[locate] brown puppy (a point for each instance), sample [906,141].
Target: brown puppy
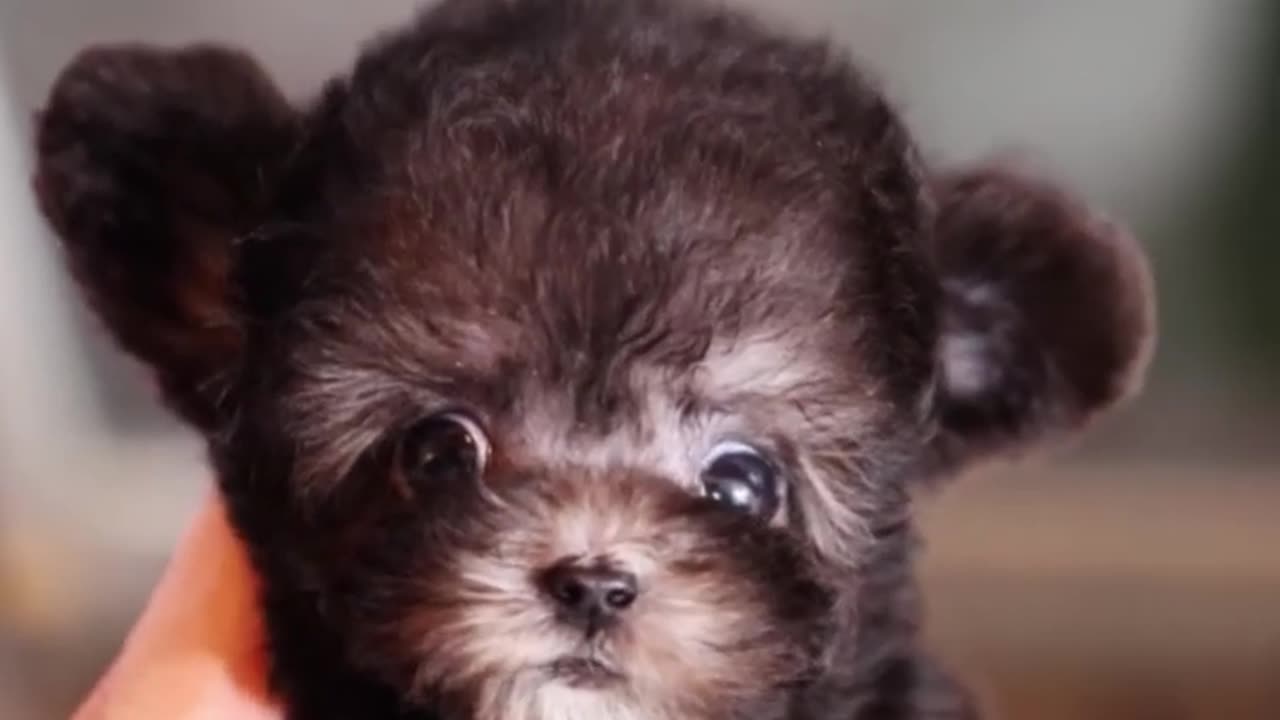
[577,359]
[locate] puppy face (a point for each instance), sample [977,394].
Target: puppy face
[574,359]
[576,447]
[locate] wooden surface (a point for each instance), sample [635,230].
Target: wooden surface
[1111,593]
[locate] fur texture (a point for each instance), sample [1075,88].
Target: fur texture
[615,236]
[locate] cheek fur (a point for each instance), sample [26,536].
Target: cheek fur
[705,641]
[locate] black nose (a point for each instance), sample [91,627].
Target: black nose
[589,594]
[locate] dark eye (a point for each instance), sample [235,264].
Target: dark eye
[738,477]
[447,445]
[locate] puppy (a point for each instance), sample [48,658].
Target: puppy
[578,360]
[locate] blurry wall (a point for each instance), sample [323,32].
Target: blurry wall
[1097,588]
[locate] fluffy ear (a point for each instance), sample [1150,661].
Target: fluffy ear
[150,163]
[1048,313]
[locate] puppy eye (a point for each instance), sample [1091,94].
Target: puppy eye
[444,445]
[739,477]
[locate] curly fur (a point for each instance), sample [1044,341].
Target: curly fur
[615,233]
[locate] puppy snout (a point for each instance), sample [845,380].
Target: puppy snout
[589,595]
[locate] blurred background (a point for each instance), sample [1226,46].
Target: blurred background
[1132,576]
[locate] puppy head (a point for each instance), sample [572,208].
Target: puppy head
[575,371]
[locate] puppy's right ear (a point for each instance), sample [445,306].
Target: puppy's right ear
[1048,317]
[150,164]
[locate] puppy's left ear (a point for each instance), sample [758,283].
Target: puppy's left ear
[151,162]
[1048,314]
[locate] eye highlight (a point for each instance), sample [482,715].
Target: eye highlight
[441,447]
[739,477]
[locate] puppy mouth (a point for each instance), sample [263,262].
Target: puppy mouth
[583,672]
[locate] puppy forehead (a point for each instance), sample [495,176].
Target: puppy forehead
[665,418]
[658,385]
[698,296]
[575,326]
